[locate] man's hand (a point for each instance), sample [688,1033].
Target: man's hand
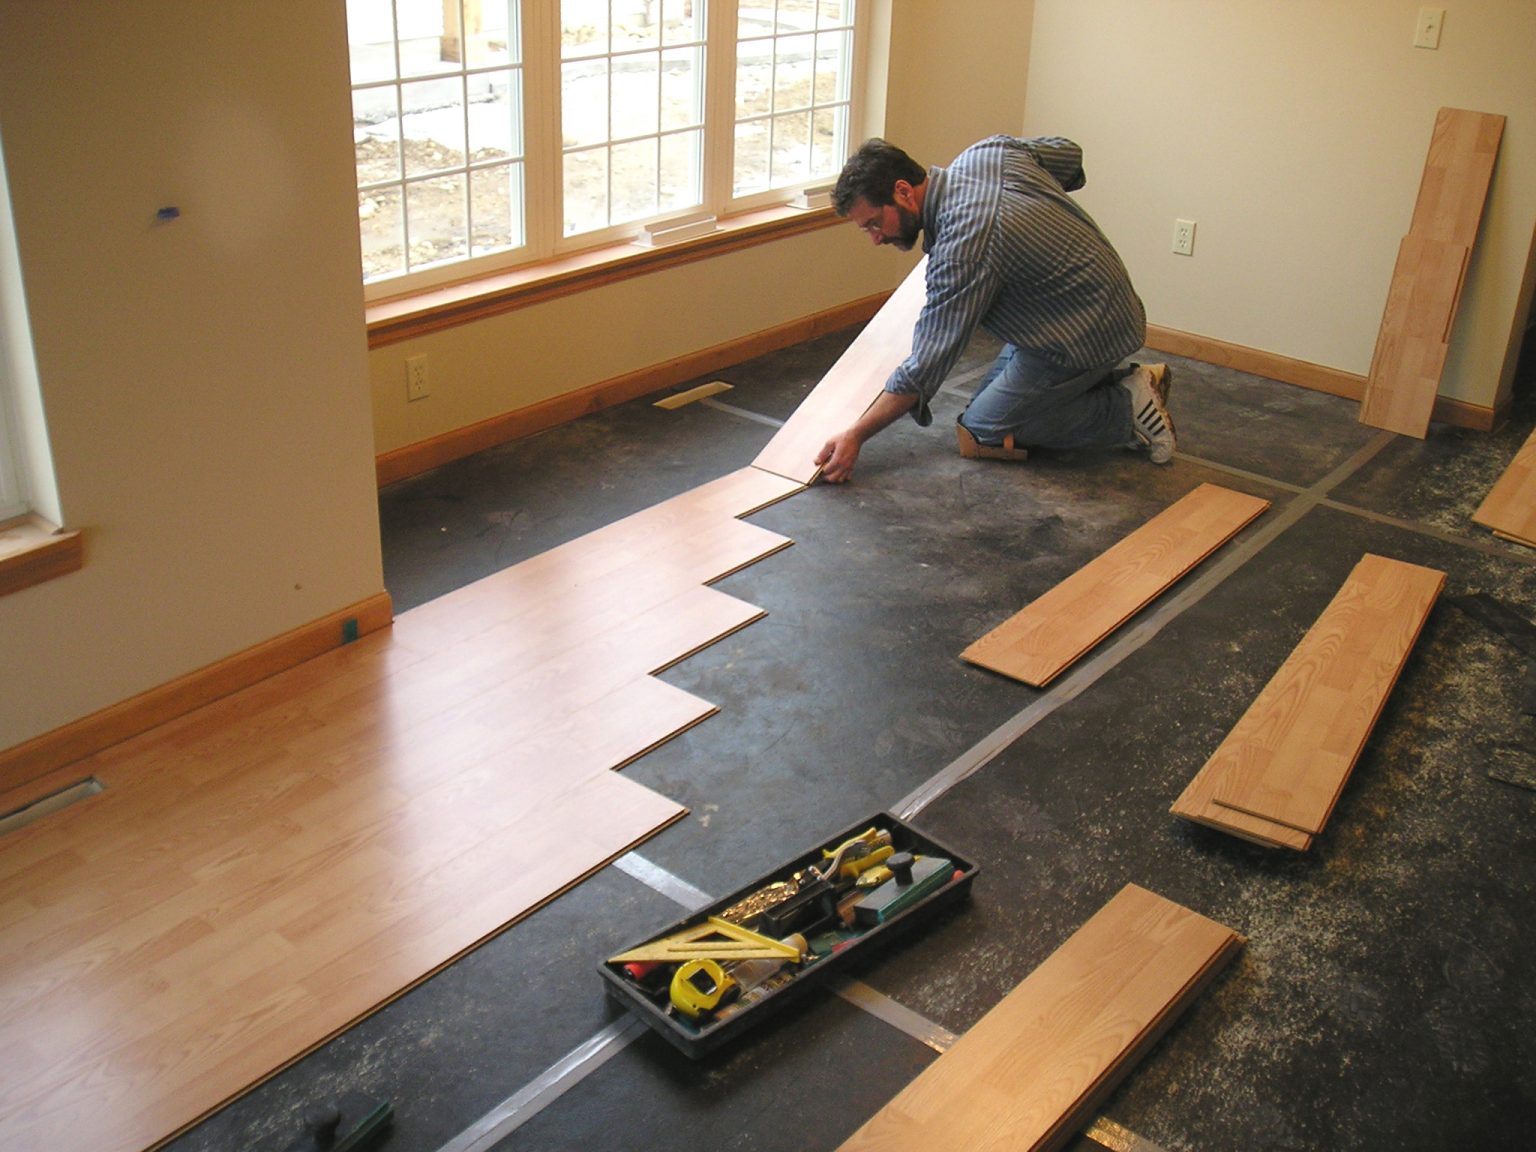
[838,456]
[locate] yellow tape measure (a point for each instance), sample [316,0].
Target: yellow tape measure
[700,986]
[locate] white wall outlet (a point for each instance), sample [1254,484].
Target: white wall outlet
[1184,237]
[416,387]
[1426,33]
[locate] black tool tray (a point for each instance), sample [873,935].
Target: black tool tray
[696,1038]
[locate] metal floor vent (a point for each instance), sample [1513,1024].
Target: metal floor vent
[48,805]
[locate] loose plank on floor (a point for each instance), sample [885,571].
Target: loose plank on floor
[1288,757]
[850,386]
[1039,642]
[1033,1070]
[1509,509]
[1278,774]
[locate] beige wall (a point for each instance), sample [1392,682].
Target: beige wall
[1295,135]
[512,361]
[204,380]
[959,73]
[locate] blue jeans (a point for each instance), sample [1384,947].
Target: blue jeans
[1045,406]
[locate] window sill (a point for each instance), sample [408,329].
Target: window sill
[434,309]
[33,550]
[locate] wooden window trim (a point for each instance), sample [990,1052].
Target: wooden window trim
[405,317]
[33,550]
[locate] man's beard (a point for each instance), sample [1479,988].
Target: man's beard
[910,224]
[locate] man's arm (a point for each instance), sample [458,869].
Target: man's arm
[837,458]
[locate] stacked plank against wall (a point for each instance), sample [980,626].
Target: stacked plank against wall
[1431,268]
[261,873]
[1034,1069]
[1276,777]
[1509,509]
[1039,642]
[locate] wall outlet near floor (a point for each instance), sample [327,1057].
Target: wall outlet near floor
[416,387]
[1184,237]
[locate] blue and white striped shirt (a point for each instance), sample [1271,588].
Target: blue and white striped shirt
[1011,252]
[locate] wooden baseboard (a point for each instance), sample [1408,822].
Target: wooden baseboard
[413,459]
[36,767]
[1304,374]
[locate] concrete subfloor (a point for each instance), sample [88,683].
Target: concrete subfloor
[1386,998]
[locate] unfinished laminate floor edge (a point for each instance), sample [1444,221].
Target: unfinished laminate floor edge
[1509,508]
[1288,757]
[1032,1070]
[1427,280]
[375,761]
[1039,642]
[850,386]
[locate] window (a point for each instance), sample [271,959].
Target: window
[496,132]
[14,341]
[437,127]
[794,89]
[11,502]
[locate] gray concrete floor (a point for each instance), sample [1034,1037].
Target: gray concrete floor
[1385,999]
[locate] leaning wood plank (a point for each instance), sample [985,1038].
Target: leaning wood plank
[1037,643]
[1509,509]
[1288,757]
[1415,335]
[1033,1070]
[850,386]
[1431,269]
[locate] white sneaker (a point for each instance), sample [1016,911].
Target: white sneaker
[1148,385]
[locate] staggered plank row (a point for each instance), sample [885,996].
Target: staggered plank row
[263,872]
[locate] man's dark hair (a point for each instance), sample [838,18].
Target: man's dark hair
[871,174]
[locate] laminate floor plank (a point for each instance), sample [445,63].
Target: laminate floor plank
[1288,757]
[1030,1073]
[1509,509]
[1427,280]
[1197,803]
[1415,335]
[1038,643]
[850,386]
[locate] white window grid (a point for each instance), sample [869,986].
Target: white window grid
[803,131]
[465,120]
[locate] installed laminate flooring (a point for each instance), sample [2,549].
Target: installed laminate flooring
[264,872]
